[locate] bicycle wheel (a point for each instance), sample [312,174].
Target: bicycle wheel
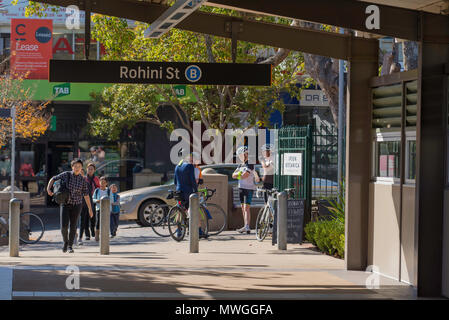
[31,228]
[177,223]
[159,222]
[219,220]
[262,224]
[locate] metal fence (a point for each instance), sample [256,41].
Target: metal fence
[324,160]
[318,144]
[293,139]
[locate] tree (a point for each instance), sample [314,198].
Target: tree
[32,119]
[217,107]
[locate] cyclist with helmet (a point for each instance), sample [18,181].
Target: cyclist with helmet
[247,176]
[268,168]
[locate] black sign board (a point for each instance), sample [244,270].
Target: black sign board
[244,74]
[5,113]
[295,222]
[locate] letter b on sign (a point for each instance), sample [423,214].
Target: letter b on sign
[193,73]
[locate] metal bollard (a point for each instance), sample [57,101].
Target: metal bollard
[194,222]
[105,221]
[14,227]
[282,221]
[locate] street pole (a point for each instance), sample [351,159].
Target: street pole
[105,218]
[341,119]
[13,150]
[282,221]
[194,222]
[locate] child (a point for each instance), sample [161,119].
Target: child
[115,211]
[98,194]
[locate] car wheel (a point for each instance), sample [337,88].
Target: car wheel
[147,208]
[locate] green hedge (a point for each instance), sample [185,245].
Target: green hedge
[328,236]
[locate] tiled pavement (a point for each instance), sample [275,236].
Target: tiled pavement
[144,266]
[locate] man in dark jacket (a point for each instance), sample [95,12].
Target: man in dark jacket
[185,179]
[78,190]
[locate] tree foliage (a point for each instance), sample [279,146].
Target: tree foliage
[32,120]
[216,107]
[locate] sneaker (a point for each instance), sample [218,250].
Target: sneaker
[87,238]
[242,230]
[112,236]
[80,242]
[71,250]
[64,248]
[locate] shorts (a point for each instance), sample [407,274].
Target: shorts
[246,196]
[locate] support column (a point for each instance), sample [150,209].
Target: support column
[363,65]
[431,144]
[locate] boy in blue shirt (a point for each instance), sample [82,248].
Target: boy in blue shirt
[115,210]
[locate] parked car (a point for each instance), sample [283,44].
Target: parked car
[138,204]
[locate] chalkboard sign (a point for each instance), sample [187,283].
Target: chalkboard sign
[295,221]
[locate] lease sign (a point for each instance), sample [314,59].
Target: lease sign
[31,47]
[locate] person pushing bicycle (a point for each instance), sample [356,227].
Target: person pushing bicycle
[185,182]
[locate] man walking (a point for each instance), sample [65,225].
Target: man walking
[78,189]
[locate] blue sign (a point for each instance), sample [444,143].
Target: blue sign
[5,113]
[43,35]
[193,73]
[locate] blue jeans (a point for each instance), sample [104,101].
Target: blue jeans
[115,218]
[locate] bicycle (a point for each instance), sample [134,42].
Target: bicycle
[178,220]
[159,216]
[265,217]
[30,224]
[219,217]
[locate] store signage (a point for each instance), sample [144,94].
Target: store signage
[61,90]
[295,222]
[292,164]
[160,72]
[180,91]
[31,47]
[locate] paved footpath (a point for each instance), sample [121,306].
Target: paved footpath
[142,265]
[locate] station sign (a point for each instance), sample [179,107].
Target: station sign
[244,74]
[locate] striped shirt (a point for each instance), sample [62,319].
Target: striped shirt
[78,187]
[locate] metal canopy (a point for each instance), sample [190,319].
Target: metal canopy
[394,21]
[281,36]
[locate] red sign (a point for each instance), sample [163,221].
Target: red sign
[31,47]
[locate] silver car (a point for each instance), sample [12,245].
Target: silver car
[138,204]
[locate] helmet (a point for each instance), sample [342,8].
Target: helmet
[242,150]
[267,147]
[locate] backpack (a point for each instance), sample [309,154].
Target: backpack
[61,191]
[96,194]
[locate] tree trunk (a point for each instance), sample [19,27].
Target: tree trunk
[410,53]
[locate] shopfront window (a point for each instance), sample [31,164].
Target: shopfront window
[388,159]
[5,168]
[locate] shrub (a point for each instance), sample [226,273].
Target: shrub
[327,235]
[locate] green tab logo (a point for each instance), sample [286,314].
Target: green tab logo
[180,91]
[61,90]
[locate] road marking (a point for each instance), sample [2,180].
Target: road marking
[6,277]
